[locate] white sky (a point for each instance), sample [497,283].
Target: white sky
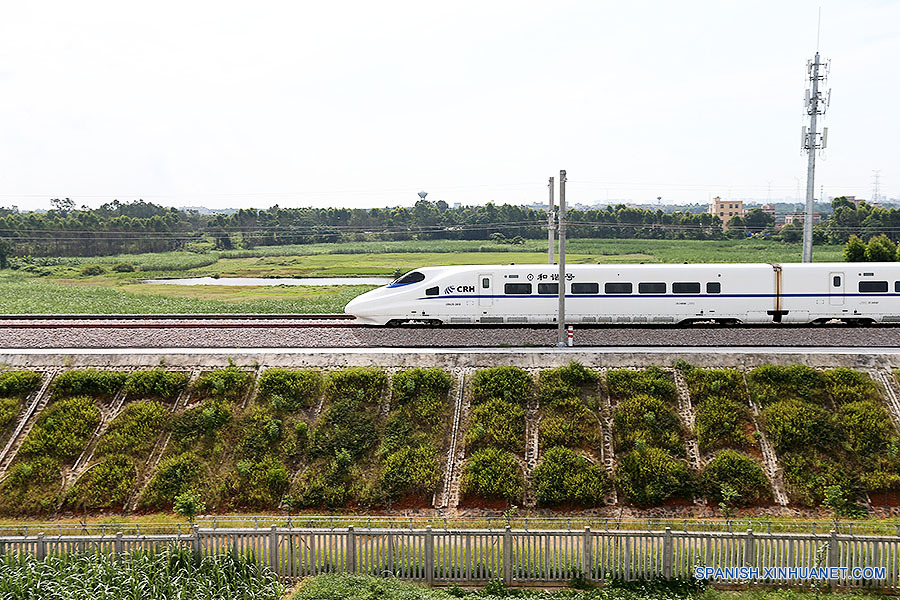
[239,104]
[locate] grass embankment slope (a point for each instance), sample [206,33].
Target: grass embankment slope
[59,285]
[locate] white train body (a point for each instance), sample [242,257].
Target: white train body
[638,294]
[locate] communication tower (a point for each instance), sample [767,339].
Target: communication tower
[816,104]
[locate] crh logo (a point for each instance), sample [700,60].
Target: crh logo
[449,289]
[459,289]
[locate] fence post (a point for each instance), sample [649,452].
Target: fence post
[429,555]
[273,549]
[750,551]
[351,550]
[507,556]
[587,551]
[196,546]
[831,559]
[119,545]
[667,553]
[41,549]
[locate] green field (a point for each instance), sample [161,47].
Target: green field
[49,285]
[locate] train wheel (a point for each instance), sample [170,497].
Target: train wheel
[393,323]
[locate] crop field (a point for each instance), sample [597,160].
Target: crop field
[169,574]
[562,439]
[113,284]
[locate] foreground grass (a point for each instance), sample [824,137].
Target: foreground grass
[27,295]
[57,285]
[165,575]
[361,587]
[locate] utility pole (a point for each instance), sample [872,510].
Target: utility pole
[816,104]
[561,325]
[551,222]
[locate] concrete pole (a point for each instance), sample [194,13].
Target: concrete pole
[551,223]
[561,325]
[811,143]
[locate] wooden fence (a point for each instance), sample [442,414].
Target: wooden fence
[520,557]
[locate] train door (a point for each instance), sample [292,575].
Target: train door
[836,289]
[485,290]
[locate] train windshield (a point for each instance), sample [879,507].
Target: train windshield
[412,277]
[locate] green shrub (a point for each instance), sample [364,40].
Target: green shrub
[510,384]
[155,383]
[9,410]
[290,390]
[742,473]
[88,382]
[649,476]
[846,385]
[497,423]
[92,270]
[332,483]
[569,423]
[492,473]
[882,473]
[721,422]
[649,419]
[262,433]
[567,382]
[346,424]
[134,431]
[421,394]
[867,427]
[624,383]
[720,383]
[414,384]
[191,426]
[400,431]
[123,268]
[31,487]
[230,383]
[797,424]
[105,485]
[771,383]
[63,429]
[411,470]
[358,383]
[808,472]
[564,477]
[257,484]
[175,475]
[18,383]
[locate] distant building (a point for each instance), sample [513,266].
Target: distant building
[726,209]
[769,209]
[798,219]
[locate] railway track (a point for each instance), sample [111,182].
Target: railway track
[174,321]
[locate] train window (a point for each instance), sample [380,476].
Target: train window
[836,282]
[686,287]
[517,288]
[548,288]
[713,287]
[485,282]
[873,286]
[651,288]
[585,288]
[432,291]
[897,286]
[617,288]
[414,277]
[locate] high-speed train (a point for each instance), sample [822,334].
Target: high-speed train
[638,294]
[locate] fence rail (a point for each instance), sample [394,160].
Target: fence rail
[519,557]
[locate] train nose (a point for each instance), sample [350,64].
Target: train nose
[361,308]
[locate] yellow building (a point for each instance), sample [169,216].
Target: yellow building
[726,209]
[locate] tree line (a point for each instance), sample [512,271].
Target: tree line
[136,227]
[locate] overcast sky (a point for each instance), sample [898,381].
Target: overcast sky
[228,104]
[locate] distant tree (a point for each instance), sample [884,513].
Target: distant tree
[5,251]
[881,249]
[855,250]
[841,201]
[757,219]
[790,233]
[63,205]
